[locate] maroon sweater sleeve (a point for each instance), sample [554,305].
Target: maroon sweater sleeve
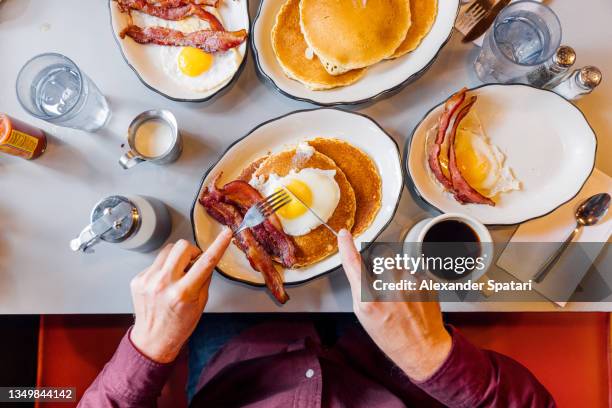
[129,379]
[471,377]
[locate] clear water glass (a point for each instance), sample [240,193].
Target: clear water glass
[524,36]
[51,87]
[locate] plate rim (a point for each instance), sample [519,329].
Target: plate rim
[172,98]
[380,95]
[411,185]
[365,246]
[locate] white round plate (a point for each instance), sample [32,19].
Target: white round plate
[382,78]
[279,134]
[547,141]
[143,58]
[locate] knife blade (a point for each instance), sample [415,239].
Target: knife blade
[483,25]
[311,210]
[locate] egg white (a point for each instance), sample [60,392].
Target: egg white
[500,178]
[224,66]
[325,197]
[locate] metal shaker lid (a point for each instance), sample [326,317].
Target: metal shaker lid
[589,76]
[120,213]
[113,219]
[565,56]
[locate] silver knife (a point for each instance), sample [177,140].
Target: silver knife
[311,211]
[483,25]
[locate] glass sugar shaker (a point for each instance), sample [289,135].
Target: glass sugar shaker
[554,70]
[134,222]
[581,82]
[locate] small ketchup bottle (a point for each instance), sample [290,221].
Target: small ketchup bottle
[20,139]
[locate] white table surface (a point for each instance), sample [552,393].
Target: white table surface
[45,203]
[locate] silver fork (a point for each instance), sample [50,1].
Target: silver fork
[263,209]
[472,15]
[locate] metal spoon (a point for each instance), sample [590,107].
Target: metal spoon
[589,213]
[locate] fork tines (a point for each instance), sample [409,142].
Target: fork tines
[274,202]
[472,15]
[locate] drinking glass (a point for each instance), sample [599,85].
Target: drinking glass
[524,35]
[51,87]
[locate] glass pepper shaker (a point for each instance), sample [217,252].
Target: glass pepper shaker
[555,69]
[135,223]
[581,82]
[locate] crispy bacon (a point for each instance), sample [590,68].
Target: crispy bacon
[171,13]
[464,193]
[451,106]
[227,214]
[176,3]
[207,40]
[270,233]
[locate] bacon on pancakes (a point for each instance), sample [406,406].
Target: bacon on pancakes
[270,233]
[228,207]
[173,13]
[207,40]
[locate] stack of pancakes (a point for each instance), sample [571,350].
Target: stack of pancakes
[330,43]
[360,191]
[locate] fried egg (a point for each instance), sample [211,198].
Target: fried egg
[190,67]
[480,162]
[317,188]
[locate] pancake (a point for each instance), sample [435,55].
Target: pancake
[423,13]
[361,172]
[320,242]
[351,34]
[290,50]
[247,172]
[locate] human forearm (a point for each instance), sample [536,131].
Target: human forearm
[471,377]
[129,379]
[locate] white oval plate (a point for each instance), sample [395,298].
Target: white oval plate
[279,134]
[547,141]
[382,78]
[142,57]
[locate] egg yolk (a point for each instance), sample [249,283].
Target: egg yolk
[295,208]
[471,165]
[193,61]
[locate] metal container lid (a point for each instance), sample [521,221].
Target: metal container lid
[113,219]
[120,213]
[565,56]
[589,76]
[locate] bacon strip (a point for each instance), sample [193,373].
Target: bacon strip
[171,13]
[464,193]
[450,107]
[207,40]
[176,3]
[270,233]
[227,214]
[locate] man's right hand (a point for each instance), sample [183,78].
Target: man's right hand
[411,334]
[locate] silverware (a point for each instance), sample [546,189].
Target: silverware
[485,22]
[472,15]
[312,212]
[589,213]
[263,209]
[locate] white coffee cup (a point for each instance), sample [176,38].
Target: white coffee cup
[414,241]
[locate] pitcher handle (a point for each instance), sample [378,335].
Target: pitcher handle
[129,160]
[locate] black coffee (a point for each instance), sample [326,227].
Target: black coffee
[454,243]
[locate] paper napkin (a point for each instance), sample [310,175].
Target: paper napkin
[523,260]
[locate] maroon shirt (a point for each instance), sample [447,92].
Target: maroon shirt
[285,365]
